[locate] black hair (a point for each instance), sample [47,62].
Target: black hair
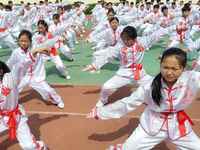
[148,3]
[28,4]
[132,3]
[56,16]
[152,0]
[111,10]
[42,22]
[60,7]
[158,1]
[173,3]
[1,4]
[8,7]
[156,86]
[10,2]
[181,1]
[185,8]
[27,33]
[123,3]
[141,5]
[109,3]
[163,8]
[22,2]
[34,3]
[46,0]
[137,3]
[186,5]
[129,31]
[4,67]
[114,18]
[41,2]
[156,6]
[67,7]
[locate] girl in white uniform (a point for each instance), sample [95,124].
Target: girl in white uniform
[130,52]
[167,95]
[48,33]
[4,33]
[109,36]
[63,47]
[12,115]
[35,75]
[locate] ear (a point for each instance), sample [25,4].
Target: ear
[1,72]
[184,69]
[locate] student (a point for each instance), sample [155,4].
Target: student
[63,47]
[35,74]
[4,33]
[47,33]
[183,37]
[109,36]
[167,95]
[13,115]
[130,52]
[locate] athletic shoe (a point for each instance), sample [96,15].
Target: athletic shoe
[61,104]
[83,31]
[72,48]
[100,103]
[162,42]
[68,77]
[81,35]
[74,60]
[95,72]
[159,59]
[93,47]
[147,49]
[76,42]
[192,36]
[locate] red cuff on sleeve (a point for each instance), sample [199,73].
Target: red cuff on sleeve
[188,49]
[93,67]
[31,57]
[95,113]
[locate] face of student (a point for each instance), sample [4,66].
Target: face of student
[137,5]
[1,7]
[114,24]
[165,12]
[148,6]
[24,42]
[155,10]
[171,69]
[73,7]
[173,6]
[142,8]
[110,15]
[55,20]
[42,28]
[128,41]
[60,11]
[186,13]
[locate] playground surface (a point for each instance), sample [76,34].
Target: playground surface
[68,128]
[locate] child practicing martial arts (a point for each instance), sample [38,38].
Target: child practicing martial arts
[167,95]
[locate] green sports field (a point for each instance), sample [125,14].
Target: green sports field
[83,55]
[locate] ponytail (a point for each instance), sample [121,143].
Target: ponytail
[156,89]
[4,67]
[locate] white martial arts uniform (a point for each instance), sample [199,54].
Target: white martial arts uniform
[4,33]
[131,69]
[12,115]
[157,123]
[35,75]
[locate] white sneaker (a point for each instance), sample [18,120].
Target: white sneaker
[192,36]
[147,49]
[81,35]
[68,77]
[162,42]
[76,42]
[83,31]
[72,48]
[93,47]
[100,103]
[95,72]
[61,104]
[74,60]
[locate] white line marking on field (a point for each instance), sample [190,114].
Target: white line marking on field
[79,114]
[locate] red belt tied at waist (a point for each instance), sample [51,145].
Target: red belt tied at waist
[181,35]
[182,117]
[137,73]
[2,29]
[12,121]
